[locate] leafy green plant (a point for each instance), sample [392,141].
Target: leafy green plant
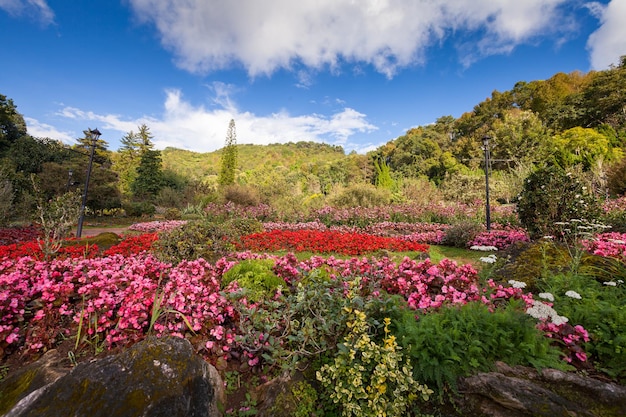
[367,378]
[57,217]
[600,310]
[460,234]
[551,195]
[459,341]
[194,240]
[256,277]
[300,401]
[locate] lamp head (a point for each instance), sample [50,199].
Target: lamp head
[486,140]
[95,134]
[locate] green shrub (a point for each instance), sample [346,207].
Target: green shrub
[551,195]
[460,234]
[141,209]
[244,226]
[242,195]
[194,240]
[361,195]
[172,214]
[459,341]
[256,277]
[367,378]
[600,310]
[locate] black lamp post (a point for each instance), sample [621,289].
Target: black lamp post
[70,173]
[95,134]
[487,208]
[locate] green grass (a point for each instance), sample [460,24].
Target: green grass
[436,254]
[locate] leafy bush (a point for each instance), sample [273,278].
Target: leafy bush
[242,195]
[172,214]
[461,234]
[367,378]
[256,277]
[361,195]
[194,240]
[552,195]
[459,341]
[600,309]
[141,209]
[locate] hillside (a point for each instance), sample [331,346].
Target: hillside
[251,158]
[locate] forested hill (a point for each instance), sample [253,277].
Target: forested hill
[251,158]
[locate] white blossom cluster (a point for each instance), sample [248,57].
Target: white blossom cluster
[542,311]
[573,294]
[484,248]
[517,284]
[491,259]
[546,296]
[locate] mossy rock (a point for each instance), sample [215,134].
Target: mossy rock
[155,377]
[528,262]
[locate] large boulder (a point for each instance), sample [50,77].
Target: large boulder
[155,377]
[524,392]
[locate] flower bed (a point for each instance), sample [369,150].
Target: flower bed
[325,242]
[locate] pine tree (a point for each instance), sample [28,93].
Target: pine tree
[229,157]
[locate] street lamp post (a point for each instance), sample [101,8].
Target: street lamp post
[95,134]
[487,208]
[70,173]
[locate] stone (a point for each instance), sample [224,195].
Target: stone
[155,377]
[524,392]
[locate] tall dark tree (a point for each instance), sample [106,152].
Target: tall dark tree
[229,157]
[12,124]
[149,180]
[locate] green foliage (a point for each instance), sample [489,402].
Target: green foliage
[57,217]
[141,209]
[367,378]
[229,157]
[361,195]
[601,311]
[12,124]
[256,277]
[383,175]
[242,195]
[194,240]
[530,263]
[459,341]
[581,146]
[299,401]
[460,234]
[149,180]
[552,195]
[172,214]
[6,197]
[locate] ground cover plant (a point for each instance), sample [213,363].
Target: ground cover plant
[251,311]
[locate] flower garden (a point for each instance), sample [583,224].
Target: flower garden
[345,312]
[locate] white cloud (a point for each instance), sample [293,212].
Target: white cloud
[35,9]
[43,130]
[196,128]
[264,36]
[607,44]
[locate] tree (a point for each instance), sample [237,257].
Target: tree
[127,160]
[581,146]
[12,124]
[149,180]
[229,157]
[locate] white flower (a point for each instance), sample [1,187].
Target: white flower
[610,283]
[573,294]
[543,311]
[484,248]
[517,284]
[489,259]
[546,296]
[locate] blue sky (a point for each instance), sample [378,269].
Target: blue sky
[343,72]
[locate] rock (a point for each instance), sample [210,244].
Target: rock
[155,377]
[524,392]
[31,378]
